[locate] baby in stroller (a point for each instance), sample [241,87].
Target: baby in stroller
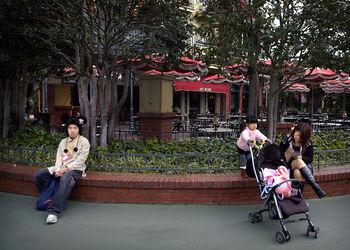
[282,195]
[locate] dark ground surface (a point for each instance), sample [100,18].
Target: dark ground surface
[129,226]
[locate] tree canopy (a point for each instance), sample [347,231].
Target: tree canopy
[103,33]
[22,59]
[294,34]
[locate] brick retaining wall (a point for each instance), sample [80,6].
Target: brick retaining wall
[229,188]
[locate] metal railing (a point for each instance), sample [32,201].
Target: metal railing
[331,157]
[202,133]
[28,156]
[162,163]
[123,162]
[207,132]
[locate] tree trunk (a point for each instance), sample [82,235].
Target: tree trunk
[112,118]
[83,95]
[270,116]
[273,106]
[2,97]
[93,103]
[116,107]
[275,118]
[88,108]
[14,101]
[253,74]
[253,90]
[254,95]
[84,102]
[22,98]
[6,111]
[105,102]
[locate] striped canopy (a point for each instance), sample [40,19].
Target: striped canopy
[336,86]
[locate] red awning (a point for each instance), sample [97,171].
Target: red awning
[201,87]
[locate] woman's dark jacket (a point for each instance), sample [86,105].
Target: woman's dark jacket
[307,152]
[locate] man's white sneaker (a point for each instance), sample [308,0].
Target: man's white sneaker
[51,219]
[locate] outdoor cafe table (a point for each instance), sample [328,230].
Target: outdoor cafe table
[212,132]
[204,121]
[290,119]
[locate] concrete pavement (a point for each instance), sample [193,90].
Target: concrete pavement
[130,226]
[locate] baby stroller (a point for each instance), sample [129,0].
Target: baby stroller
[271,157]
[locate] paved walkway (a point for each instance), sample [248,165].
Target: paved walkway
[129,226]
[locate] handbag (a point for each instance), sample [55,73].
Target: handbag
[48,195]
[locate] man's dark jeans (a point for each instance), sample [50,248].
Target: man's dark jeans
[67,182]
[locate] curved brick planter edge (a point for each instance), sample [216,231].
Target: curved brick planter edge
[228,188]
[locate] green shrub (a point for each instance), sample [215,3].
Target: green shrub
[35,138]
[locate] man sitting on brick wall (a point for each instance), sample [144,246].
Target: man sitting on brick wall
[70,166]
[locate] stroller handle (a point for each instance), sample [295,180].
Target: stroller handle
[257,143]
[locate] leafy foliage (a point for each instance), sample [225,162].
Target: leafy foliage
[154,155]
[187,146]
[335,139]
[33,137]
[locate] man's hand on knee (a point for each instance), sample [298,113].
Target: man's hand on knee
[61,172]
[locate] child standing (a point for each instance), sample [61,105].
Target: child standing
[249,133]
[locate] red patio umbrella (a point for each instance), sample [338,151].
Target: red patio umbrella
[243,68]
[237,69]
[296,87]
[156,63]
[189,76]
[337,83]
[336,89]
[221,79]
[336,86]
[191,65]
[317,76]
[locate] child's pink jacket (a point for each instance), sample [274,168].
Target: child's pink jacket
[248,134]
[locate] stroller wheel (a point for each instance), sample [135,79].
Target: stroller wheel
[280,238]
[317,230]
[258,217]
[287,235]
[309,228]
[312,229]
[251,217]
[316,234]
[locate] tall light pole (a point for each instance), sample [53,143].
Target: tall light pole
[46,110]
[132,127]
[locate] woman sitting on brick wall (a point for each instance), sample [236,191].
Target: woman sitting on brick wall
[299,154]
